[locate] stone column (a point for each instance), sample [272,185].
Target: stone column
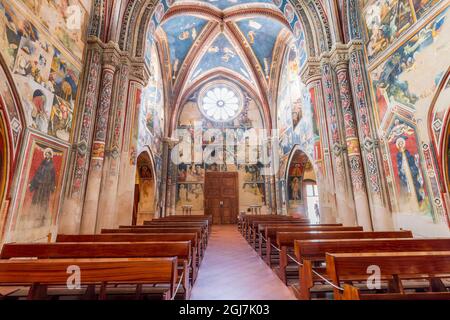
[370,151]
[106,212]
[94,179]
[339,59]
[138,78]
[70,218]
[269,172]
[345,206]
[312,78]
[168,183]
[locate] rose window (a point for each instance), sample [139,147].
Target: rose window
[220,103]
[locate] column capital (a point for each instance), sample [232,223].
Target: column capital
[339,56]
[111,55]
[311,71]
[139,72]
[171,142]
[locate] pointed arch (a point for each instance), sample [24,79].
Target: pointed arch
[12,122]
[145,165]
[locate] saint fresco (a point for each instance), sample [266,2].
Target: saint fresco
[39,195]
[407,171]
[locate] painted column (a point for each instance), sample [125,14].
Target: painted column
[371,153]
[94,179]
[339,59]
[70,218]
[106,212]
[345,206]
[312,78]
[138,78]
[168,183]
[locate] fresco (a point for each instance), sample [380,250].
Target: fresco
[411,74]
[190,194]
[406,169]
[225,4]
[221,53]
[290,104]
[66,20]
[296,121]
[151,117]
[387,20]
[404,85]
[194,172]
[191,175]
[39,192]
[181,33]
[261,34]
[300,168]
[421,7]
[146,182]
[46,78]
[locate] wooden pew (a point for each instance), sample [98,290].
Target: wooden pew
[247,223]
[77,250]
[188,218]
[285,242]
[312,253]
[270,233]
[260,227]
[156,229]
[395,267]
[162,223]
[39,274]
[254,230]
[141,237]
[243,221]
[203,224]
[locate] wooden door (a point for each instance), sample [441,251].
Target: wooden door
[221,196]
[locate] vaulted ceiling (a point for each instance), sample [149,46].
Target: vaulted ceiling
[237,37]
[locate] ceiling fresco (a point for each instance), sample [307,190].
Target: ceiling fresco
[221,53]
[225,4]
[181,32]
[261,34]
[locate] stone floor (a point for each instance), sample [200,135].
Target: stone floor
[231,269]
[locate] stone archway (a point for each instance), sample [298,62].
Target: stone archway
[145,192]
[5,167]
[300,178]
[112,88]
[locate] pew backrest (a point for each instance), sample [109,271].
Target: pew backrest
[180,249]
[129,237]
[117,270]
[315,250]
[287,238]
[271,231]
[345,266]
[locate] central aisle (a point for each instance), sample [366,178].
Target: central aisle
[232,270]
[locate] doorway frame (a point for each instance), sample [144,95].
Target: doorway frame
[235,175]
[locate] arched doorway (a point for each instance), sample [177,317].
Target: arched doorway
[145,190]
[302,192]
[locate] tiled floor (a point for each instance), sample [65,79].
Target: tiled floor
[231,269]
